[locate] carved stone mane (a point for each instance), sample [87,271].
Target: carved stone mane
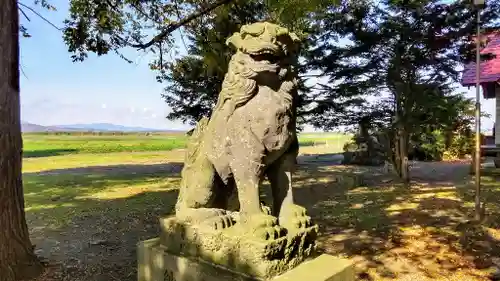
[238,85]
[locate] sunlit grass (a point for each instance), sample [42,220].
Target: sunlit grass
[100,159]
[58,199]
[327,142]
[37,145]
[40,145]
[411,222]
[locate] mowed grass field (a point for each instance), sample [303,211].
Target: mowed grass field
[90,198]
[50,151]
[68,174]
[42,145]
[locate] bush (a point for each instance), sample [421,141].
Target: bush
[435,145]
[461,145]
[438,145]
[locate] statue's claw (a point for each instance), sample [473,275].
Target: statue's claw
[263,227]
[265,209]
[294,217]
[269,233]
[220,222]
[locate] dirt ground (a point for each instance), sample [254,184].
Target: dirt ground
[391,232]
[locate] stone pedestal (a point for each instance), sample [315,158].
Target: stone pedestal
[156,263]
[236,249]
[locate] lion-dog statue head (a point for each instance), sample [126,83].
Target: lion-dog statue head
[262,49]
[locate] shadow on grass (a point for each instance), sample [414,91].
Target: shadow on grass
[490,192]
[47,152]
[57,196]
[121,171]
[400,231]
[395,230]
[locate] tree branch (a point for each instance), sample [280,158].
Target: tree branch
[179,18]
[39,15]
[144,14]
[24,14]
[175,25]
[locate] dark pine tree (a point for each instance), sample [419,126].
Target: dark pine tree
[397,52]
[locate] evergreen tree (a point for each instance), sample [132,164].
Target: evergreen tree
[194,81]
[400,50]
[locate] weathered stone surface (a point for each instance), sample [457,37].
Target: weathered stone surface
[322,268]
[220,225]
[155,263]
[364,148]
[250,135]
[236,249]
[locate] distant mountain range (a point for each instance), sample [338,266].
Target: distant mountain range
[94,127]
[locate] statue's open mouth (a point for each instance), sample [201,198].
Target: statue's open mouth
[265,56]
[265,60]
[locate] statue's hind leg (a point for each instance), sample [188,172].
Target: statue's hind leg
[202,196]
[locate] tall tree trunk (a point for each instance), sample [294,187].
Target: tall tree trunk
[401,155]
[401,141]
[17,260]
[403,150]
[397,154]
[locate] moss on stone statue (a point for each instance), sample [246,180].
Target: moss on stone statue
[233,248]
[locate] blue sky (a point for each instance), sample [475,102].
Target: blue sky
[107,89]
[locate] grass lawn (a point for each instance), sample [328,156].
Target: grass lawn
[44,145]
[99,159]
[58,198]
[87,210]
[40,145]
[47,152]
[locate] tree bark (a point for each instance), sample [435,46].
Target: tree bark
[403,150]
[397,154]
[17,260]
[401,140]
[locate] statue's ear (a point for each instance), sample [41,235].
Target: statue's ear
[234,40]
[292,42]
[294,37]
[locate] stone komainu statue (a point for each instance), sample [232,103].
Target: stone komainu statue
[251,134]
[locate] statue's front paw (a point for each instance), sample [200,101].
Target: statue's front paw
[294,217]
[211,218]
[220,222]
[263,227]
